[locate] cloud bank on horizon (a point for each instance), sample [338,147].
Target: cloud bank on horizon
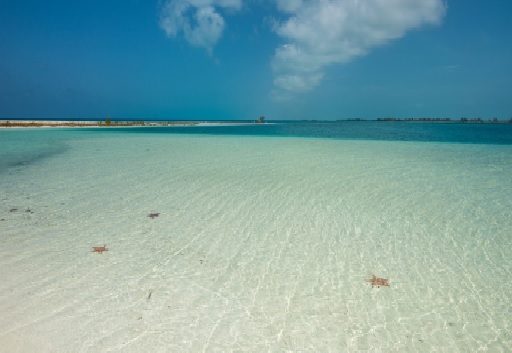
[315,33]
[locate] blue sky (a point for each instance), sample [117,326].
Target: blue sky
[240,59]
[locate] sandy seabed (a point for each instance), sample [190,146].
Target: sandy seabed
[261,244]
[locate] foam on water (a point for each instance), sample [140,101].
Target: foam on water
[262,243]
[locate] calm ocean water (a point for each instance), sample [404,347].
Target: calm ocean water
[264,238]
[361,130]
[35,145]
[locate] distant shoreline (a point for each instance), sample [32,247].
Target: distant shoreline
[76,123]
[84,123]
[442,120]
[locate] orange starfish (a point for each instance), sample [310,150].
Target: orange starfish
[377,281]
[99,249]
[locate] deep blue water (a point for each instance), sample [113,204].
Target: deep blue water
[361,130]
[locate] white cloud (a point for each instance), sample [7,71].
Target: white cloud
[319,33]
[289,5]
[316,33]
[199,20]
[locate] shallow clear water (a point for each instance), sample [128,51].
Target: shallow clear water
[263,242]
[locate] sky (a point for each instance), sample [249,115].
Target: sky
[242,59]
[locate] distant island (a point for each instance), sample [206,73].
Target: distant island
[439,120]
[75,123]
[117,123]
[120,123]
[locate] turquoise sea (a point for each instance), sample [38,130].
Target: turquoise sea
[264,237]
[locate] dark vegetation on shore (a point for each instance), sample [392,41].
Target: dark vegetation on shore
[115,123]
[441,120]
[35,123]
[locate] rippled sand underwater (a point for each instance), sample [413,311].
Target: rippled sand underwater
[261,244]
